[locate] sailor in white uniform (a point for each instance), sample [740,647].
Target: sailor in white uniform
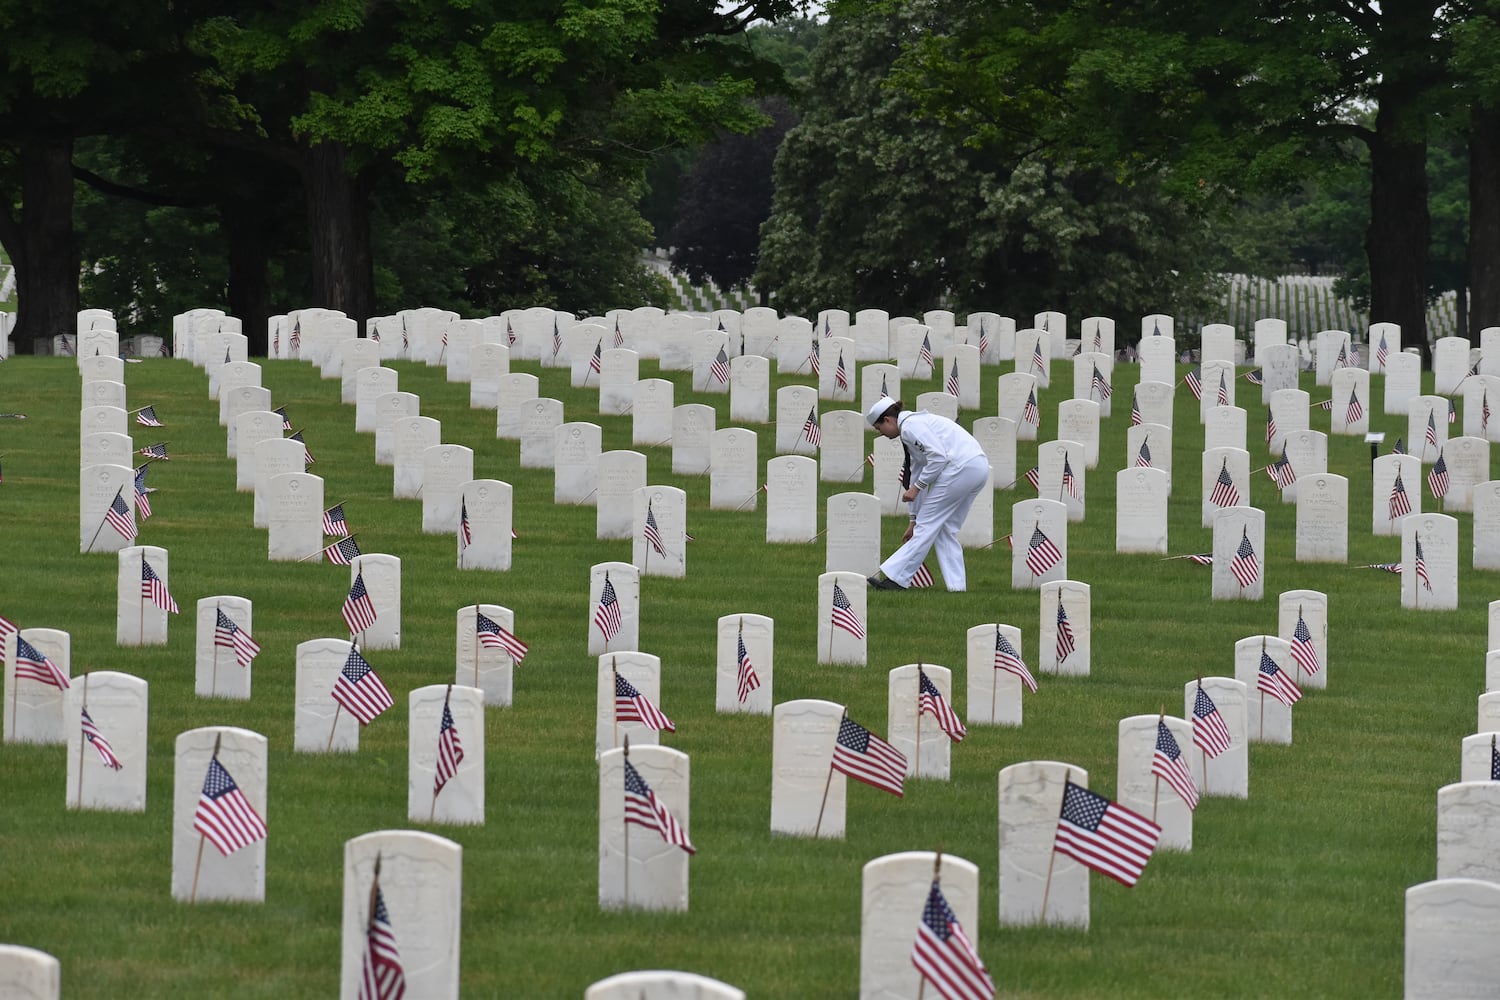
[948,469]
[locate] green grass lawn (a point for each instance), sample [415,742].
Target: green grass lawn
[1297,891]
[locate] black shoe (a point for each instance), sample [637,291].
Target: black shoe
[883,583]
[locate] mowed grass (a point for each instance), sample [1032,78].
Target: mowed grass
[1297,891]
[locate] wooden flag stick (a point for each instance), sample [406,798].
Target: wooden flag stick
[142,606]
[198,864]
[994,682]
[917,766]
[374,889]
[1156,789]
[614,674]
[476,642]
[81,741]
[432,813]
[1052,855]
[626,868]
[213,681]
[337,708]
[828,781]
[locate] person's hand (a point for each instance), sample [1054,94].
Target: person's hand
[911,527]
[910,494]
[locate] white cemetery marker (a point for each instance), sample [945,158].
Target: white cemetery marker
[1481,399]
[651,414]
[875,381]
[1450,363]
[915,362]
[807,795]
[1037,885]
[1141,510]
[244,399]
[1063,475]
[390,409]
[445,755]
[1323,518]
[1289,412]
[842,618]
[1493,641]
[1477,756]
[871,334]
[661,984]
[418,877]
[794,405]
[370,385]
[103,393]
[793,351]
[462,335]
[1487,525]
[841,456]
[201,871]
[1332,349]
[707,368]
[1224,427]
[1429,562]
[486,658]
[997,673]
[1468,461]
[1310,655]
[1468,830]
[101,420]
[139,619]
[1488,715]
[1427,427]
[1239,570]
[996,333]
[1279,368]
[29,974]
[1403,378]
[414,435]
[894,892]
[1017,392]
[446,469]
[35,708]
[1139,785]
[488,364]
[355,356]
[540,419]
[1350,402]
[1065,636]
[1268,333]
[1156,402]
[890,459]
[1268,719]
[488,506]
[1451,926]
[638,867]
[917,734]
[1034,353]
[744,664]
[614,607]
[574,475]
[250,430]
[1158,357]
[107,767]
[1227,771]
[101,368]
[791,499]
[382,576]
[1396,485]
[517,390]
[853,534]
[749,390]
[734,479]
[618,375]
[223,657]
[1039,535]
[1218,381]
[961,370]
[322,724]
[838,370]
[1217,343]
[660,531]
[1149,446]
[1078,420]
[227,380]
[274,456]
[997,436]
[294,515]
[692,439]
[105,449]
[620,474]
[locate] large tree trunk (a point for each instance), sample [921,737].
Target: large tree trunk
[41,244]
[1396,242]
[338,227]
[1484,218]
[247,231]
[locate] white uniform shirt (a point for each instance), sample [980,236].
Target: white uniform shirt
[936,444]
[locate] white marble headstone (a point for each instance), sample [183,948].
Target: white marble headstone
[1451,928]
[1312,608]
[138,619]
[693,428]
[1031,794]
[1438,536]
[1138,789]
[791,499]
[734,480]
[1267,720]
[1468,831]
[321,724]
[199,871]
[620,474]
[27,973]
[488,503]
[894,891]
[807,796]
[917,734]
[841,457]
[1028,518]
[1227,774]
[651,414]
[1322,518]
[117,705]
[382,573]
[1403,378]
[294,516]
[853,534]
[664,551]
[487,668]
[638,868]
[217,672]
[1233,528]
[758,633]
[446,470]
[995,695]
[1141,496]
[576,445]
[843,633]
[461,799]
[625,581]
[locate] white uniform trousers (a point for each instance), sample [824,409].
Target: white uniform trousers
[942,510]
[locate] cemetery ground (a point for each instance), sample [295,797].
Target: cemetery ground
[1296,891]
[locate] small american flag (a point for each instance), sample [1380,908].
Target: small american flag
[1244,565]
[984,340]
[596,362]
[146,417]
[1136,418]
[1034,477]
[510,333]
[931,701]
[100,744]
[286,421]
[607,615]
[1098,383]
[307,457]
[746,679]
[1065,641]
[1494,760]
[154,589]
[228,634]
[843,613]
[1007,659]
[450,751]
[924,355]
[296,341]
[1484,410]
[1029,413]
[1381,353]
[1400,503]
[556,338]
[1070,481]
[359,610]
[632,706]
[840,374]
[1399,448]
[1421,567]
[815,358]
[719,369]
[465,529]
[1168,764]
[884,388]
[653,536]
[1272,680]
[34,665]
[1453,406]
[866,757]
[1303,650]
[811,432]
[643,808]
[944,955]
[120,516]
[1281,471]
[1342,361]
[143,492]
[1270,426]
[342,551]
[1200,558]
[1194,383]
[1431,429]
[951,385]
[7,629]
[1210,734]
[1437,478]
[382,976]
[1255,377]
[1038,363]
[1143,457]
[1394,567]
[493,635]
[158,450]
[1356,410]
[1098,339]
[922,578]
[1041,554]
[334,522]
[224,815]
[359,689]
[1104,835]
